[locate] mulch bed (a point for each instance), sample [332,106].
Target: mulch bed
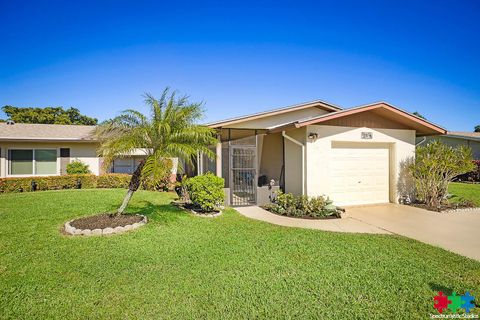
[443,207]
[305,217]
[190,206]
[105,220]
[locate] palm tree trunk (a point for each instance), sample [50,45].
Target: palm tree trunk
[132,187]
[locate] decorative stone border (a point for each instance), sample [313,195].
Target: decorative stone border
[462,210]
[212,215]
[71,230]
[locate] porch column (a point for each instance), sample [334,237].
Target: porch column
[218,163]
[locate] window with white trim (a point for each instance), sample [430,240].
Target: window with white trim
[32,161]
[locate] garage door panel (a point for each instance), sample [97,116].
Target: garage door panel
[359,176]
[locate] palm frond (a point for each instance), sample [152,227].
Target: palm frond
[171,131]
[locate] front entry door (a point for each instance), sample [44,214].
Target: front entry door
[243,175]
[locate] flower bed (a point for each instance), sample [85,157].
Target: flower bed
[287,204]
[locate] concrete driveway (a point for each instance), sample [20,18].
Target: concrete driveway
[457,232]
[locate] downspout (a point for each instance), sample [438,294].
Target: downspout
[421,141]
[303,158]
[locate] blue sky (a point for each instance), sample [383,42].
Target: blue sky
[244,57]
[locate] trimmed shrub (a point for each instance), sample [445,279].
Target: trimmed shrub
[206,191]
[74,181]
[79,181]
[287,204]
[78,167]
[113,180]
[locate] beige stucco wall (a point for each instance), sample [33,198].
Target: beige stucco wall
[85,152]
[401,144]
[279,119]
[271,156]
[293,161]
[453,142]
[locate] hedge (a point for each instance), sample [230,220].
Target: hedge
[74,181]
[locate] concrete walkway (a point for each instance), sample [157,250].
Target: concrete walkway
[339,225]
[458,232]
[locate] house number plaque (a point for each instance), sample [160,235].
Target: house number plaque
[367,135]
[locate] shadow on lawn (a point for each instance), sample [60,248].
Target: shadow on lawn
[438,287]
[165,213]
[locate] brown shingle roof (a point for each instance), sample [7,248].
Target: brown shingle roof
[46,132]
[464,134]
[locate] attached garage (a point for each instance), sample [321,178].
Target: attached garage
[356,156]
[359,175]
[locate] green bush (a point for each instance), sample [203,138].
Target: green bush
[206,191]
[435,166]
[78,167]
[74,181]
[85,181]
[287,204]
[113,180]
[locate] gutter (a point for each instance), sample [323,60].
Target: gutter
[303,158]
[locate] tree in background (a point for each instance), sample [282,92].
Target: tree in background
[170,131]
[418,114]
[48,115]
[477,128]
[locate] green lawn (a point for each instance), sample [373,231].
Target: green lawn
[465,191]
[182,266]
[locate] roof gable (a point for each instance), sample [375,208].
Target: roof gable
[376,115]
[324,106]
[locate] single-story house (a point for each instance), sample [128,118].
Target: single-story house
[46,149]
[354,156]
[455,138]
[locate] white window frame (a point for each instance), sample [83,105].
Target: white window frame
[9,165]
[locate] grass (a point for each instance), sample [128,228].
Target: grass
[182,266]
[465,191]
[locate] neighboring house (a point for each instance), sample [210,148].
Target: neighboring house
[46,149]
[453,138]
[354,156]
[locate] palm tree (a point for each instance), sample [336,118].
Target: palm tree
[171,131]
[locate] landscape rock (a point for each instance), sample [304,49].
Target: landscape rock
[86,232]
[108,231]
[69,228]
[118,229]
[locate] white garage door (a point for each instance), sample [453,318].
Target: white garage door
[359,176]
